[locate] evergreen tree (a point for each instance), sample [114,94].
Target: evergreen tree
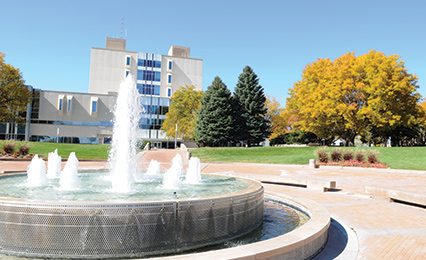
[215,118]
[255,127]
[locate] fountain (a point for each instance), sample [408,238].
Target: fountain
[71,225]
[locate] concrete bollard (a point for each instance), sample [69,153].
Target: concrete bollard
[312,164]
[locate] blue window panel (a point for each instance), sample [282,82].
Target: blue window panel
[140,75]
[140,62]
[169,79]
[158,64]
[60,104]
[169,92]
[69,105]
[94,106]
[127,73]
[170,65]
[127,61]
[157,76]
[157,90]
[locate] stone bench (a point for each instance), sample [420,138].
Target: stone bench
[310,183]
[397,195]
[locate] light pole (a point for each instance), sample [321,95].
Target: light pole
[176,136]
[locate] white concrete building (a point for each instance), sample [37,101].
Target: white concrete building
[87,117]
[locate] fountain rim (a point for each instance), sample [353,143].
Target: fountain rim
[303,242]
[253,186]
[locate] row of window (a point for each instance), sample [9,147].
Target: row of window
[68,100]
[61,101]
[148,89]
[155,110]
[149,63]
[72,123]
[149,75]
[144,123]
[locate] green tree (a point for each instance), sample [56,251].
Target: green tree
[215,121]
[185,104]
[14,95]
[251,104]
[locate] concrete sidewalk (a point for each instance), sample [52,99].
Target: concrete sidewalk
[375,229]
[384,230]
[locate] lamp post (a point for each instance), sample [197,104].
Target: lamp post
[176,136]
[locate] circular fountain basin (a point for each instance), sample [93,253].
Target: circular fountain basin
[125,229]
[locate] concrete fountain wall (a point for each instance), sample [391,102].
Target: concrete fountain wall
[115,230]
[302,243]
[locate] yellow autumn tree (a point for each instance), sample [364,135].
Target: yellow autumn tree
[371,94]
[184,106]
[14,95]
[277,116]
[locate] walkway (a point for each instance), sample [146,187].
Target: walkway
[375,229]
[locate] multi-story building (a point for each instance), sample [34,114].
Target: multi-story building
[87,117]
[157,78]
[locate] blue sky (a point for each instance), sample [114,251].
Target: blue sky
[50,41]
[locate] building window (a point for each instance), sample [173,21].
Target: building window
[128,59]
[169,92]
[169,79]
[69,103]
[170,65]
[94,106]
[127,73]
[61,103]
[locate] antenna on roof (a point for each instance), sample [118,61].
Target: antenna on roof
[122,25]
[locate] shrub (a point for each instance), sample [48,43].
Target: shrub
[142,143]
[322,154]
[336,155]
[348,155]
[9,146]
[24,148]
[373,156]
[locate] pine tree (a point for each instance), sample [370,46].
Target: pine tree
[255,127]
[215,118]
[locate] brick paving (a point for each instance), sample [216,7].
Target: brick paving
[384,230]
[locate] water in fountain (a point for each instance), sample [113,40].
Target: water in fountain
[171,179]
[36,173]
[193,174]
[123,148]
[153,168]
[54,165]
[69,179]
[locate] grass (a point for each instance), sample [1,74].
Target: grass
[410,158]
[82,151]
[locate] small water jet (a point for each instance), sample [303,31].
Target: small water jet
[69,179]
[54,165]
[171,179]
[36,173]
[154,168]
[193,174]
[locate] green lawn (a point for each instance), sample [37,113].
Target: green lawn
[82,151]
[412,158]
